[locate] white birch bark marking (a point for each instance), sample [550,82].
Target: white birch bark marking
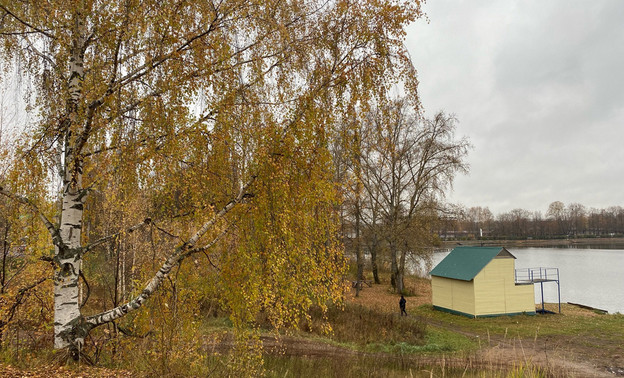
[66,293]
[68,249]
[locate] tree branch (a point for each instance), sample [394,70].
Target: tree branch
[54,232]
[107,238]
[25,23]
[176,257]
[19,297]
[188,247]
[84,301]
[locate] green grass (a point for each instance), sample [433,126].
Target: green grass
[444,341]
[438,341]
[610,327]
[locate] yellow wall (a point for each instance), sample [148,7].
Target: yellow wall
[497,293]
[522,299]
[453,294]
[493,291]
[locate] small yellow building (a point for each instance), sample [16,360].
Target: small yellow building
[480,281]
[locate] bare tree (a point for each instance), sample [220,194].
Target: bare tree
[557,213]
[577,218]
[408,163]
[347,155]
[479,218]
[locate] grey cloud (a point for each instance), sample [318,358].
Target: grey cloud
[538,87]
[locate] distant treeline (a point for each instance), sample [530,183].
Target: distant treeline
[559,221]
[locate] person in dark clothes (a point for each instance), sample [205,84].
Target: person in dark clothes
[402,302]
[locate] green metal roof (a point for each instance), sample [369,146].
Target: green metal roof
[464,263]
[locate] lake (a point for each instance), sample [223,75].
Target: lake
[592,277]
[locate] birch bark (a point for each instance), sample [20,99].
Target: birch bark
[69,263]
[68,251]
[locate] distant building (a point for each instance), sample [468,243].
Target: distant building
[480,281]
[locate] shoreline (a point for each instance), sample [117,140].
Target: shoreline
[614,243]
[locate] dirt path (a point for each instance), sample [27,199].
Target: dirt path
[548,359]
[549,353]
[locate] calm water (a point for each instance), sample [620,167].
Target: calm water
[593,277]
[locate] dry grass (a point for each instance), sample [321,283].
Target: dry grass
[363,326]
[382,299]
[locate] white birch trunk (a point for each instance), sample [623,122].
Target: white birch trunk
[66,293]
[68,251]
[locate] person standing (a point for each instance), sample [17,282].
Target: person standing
[402,302]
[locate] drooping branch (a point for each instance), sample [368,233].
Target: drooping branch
[151,65]
[189,248]
[54,232]
[86,298]
[26,23]
[186,249]
[181,252]
[140,143]
[19,297]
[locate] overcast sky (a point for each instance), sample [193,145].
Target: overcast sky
[538,88]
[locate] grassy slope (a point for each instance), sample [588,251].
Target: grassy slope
[575,335]
[573,322]
[371,339]
[575,343]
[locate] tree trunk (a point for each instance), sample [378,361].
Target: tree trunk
[358,215]
[397,265]
[68,331]
[399,282]
[373,252]
[394,269]
[5,252]
[69,262]
[358,245]
[401,274]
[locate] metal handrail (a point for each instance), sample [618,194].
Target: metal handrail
[540,274]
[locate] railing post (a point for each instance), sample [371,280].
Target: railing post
[559,290]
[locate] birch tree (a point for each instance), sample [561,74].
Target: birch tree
[206,107]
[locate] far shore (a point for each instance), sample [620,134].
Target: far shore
[617,243]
